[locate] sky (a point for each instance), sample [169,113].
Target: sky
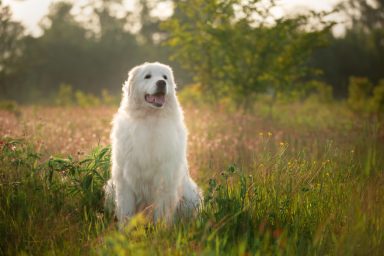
[30,12]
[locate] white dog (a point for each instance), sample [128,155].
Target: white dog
[149,147]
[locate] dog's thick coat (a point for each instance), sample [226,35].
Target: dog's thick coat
[149,147]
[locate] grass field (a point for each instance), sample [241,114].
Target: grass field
[304,179]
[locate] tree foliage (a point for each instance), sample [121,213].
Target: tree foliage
[67,52]
[237,48]
[365,15]
[11,33]
[365,98]
[360,52]
[233,48]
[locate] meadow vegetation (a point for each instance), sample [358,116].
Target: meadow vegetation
[304,178]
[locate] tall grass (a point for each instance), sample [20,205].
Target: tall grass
[286,204]
[53,206]
[290,183]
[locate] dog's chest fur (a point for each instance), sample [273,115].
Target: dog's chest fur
[157,142]
[151,151]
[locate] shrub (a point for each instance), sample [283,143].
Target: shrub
[320,91]
[46,206]
[194,94]
[10,106]
[364,98]
[359,90]
[64,96]
[108,99]
[86,99]
[377,101]
[83,179]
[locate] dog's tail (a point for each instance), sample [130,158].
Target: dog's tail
[109,192]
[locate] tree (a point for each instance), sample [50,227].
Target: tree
[72,52]
[11,33]
[235,50]
[116,48]
[60,55]
[360,53]
[365,15]
[367,31]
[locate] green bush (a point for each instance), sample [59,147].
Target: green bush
[320,91]
[364,98]
[377,101]
[86,99]
[83,179]
[10,106]
[64,97]
[107,99]
[49,206]
[359,90]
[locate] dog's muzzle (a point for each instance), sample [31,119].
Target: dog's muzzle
[157,99]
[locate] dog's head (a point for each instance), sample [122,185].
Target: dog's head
[150,85]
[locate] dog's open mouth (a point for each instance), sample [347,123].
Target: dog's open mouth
[157,99]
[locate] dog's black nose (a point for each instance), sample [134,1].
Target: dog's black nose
[161,84]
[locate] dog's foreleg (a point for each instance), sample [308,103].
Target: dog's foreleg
[191,198]
[165,206]
[110,198]
[125,203]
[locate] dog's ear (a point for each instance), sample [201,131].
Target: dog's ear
[127,86]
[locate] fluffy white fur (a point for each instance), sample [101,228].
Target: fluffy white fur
[149,147]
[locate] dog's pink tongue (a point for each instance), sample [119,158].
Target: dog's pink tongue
[159,99]
[155,99]
[151,98]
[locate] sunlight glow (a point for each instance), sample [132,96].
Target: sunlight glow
[30,12]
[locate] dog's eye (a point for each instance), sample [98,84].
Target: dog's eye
[165,77]
[148,76]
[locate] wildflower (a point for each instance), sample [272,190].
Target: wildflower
[269,134]
[277,233]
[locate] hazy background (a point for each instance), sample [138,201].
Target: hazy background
[90,45]
[30,12]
